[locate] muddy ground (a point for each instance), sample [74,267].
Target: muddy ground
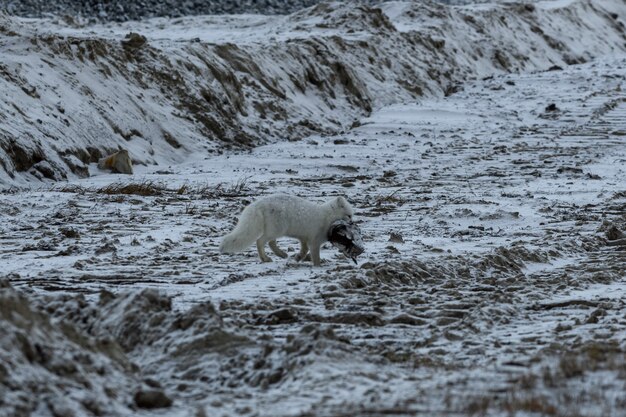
[492,283]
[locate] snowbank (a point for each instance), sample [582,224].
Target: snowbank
[50,368]
[62,355]
[175,89]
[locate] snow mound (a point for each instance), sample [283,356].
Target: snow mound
[123,353]
[144,325]
[87,352]
[50,368]
[170,90]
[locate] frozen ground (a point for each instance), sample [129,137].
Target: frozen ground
[493,281]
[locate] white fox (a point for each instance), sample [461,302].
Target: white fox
[279,215]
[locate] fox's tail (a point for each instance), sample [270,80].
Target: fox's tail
[248,230]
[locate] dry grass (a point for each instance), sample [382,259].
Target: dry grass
[531,404]
[183,189]
[145,188]
[478,406]
[150,188]
[237,189]
[70,188]
[571,366]
[512,405]
[190,208]
[391,198]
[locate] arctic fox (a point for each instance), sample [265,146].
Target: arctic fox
[279,215]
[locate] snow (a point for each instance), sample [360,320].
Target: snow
[502,294]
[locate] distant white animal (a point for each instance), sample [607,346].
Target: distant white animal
[119,162]
[279,215]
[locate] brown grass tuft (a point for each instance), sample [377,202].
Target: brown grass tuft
[145,188]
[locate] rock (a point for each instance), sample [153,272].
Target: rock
[152,383]
[283,315]
[614,233]
[358,318]
[551,107]
[152,399]
[594,317]
[396,237]
[69,232]
[275,376]
[107,247]
[453,89]
[76,165]
[404,318]
[4,373]
[133,41]
[47,169]
[571,170]
[118,162]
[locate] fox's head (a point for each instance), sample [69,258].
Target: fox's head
[342,208]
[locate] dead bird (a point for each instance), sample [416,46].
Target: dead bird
[346,236]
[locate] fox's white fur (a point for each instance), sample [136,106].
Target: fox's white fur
[280,215]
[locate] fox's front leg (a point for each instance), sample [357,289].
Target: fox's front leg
[304,249]
[315,254]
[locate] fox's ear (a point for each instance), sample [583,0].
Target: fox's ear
[341,201]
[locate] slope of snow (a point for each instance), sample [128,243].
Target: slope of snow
[198,85]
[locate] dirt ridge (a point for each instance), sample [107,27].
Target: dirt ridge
[72,98]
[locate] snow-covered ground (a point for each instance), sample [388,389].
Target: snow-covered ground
[492,283]
[496,278]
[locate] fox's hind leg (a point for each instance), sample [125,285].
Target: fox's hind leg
[315,254]
[304,249]
[260,247]
[274,247]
